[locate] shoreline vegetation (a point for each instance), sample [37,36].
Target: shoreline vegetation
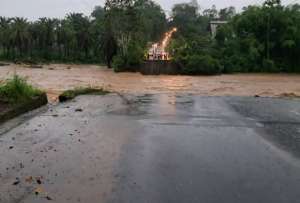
[18,97]
[57,78]
[263,38]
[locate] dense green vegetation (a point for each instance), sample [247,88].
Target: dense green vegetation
[120,30]
[17,90]
[262,38]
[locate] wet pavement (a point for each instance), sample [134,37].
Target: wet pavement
[153,148]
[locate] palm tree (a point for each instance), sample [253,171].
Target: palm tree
[66,38]
[4,35]
[20,34]
[81,26]
[46,36]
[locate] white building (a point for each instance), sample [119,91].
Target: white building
[214,26]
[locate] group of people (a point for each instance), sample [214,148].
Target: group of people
[157,53]
[157,50]
[157,56]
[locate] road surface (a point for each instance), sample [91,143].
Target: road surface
[154,148]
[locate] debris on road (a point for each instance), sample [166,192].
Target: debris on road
[17,182]
[78,110]
[48,198]
[38,191]
[29,179]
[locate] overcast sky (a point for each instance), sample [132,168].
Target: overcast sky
[33,9]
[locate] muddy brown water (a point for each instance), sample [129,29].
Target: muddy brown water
[56,78]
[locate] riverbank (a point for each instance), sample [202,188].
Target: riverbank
[18,97]
[56,78]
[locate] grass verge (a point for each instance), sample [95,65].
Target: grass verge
[17,90]
[71,94]
[18,97]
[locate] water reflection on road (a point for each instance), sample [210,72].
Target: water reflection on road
[154,148]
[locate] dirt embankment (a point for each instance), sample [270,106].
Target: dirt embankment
[57,78]
[8,111]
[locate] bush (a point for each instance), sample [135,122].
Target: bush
[17,90]
[201,65]
[135,55]
[118,63]
[235,64]
[269,66]
[131,60]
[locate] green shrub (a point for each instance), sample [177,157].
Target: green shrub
[135,55]
[201,65]
[235,64]
[269,66]
[118,63]
[131,60]
[17,90]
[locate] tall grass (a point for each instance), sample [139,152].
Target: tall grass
[17,90]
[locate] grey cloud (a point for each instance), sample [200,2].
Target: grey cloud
[34,9]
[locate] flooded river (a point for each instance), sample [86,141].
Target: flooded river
[159,140]
[56,78]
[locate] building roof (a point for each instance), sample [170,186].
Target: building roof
[217,22]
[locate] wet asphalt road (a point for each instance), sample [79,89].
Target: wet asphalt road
[154,148]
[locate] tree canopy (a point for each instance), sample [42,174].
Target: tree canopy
[262,38]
